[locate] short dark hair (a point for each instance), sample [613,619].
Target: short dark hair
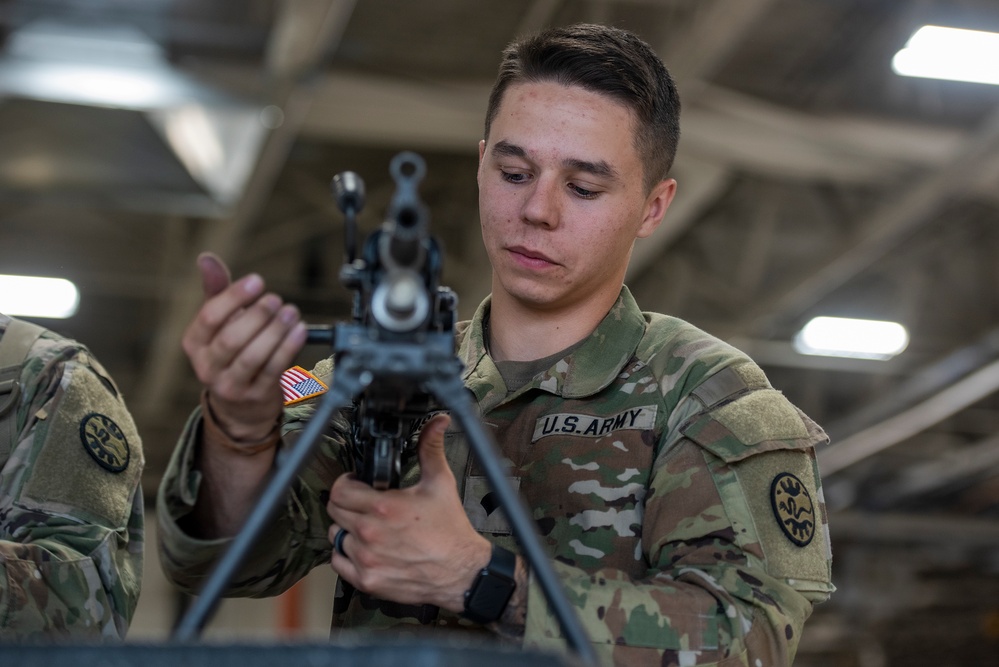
[604,60]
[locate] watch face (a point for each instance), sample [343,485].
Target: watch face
[493,592]
[488,599]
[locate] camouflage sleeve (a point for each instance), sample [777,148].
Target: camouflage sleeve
[71,521]
[296,540]
[734,530]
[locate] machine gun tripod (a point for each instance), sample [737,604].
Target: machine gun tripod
[393,361]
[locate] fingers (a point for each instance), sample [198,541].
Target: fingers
[240,329]
[239,343]
[350,497]
[433,462]
[215,275]
[413,548]
[222,307]
[349,494]
[342,563]
[339,535]
[258,344]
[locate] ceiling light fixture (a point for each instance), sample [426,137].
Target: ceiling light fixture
[217,135]
[936,52]
[31,296]
[845,337]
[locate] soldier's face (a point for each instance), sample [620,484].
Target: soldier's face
[561,199]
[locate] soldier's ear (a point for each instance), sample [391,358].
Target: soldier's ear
[655,206]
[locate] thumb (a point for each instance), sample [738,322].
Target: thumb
[433,462]
[214,274]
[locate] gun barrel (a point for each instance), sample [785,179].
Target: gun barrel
[406,228]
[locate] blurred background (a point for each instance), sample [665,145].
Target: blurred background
[814,180]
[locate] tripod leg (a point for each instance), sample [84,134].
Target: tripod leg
[451,392]
[346,386]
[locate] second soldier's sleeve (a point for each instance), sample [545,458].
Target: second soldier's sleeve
[71,510]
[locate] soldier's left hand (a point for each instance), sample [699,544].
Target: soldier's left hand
[413,545]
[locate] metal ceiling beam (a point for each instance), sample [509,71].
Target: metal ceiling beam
[723,128]
[761,137]
[305,32]
[912,421]
[395,113]
[874,528]
[915,205]
[718,28]
[723,133]
[295,51]
[923,383]
[699,184]
[953,467]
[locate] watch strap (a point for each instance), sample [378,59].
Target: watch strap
[503,562]
[490,593]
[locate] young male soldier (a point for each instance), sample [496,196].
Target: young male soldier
[675,489]
[71,532]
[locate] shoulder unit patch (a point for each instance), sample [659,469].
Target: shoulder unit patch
[793,508]
[298,384]
[105,442]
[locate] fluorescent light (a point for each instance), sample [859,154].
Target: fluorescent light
[121,87]
[844,337]
[937,52]
[30,296]
[108,66]
[104,66]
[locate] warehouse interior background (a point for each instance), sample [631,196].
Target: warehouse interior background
[813,180]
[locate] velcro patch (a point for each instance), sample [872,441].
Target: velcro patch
[567,423]
[298,384]
[482,506]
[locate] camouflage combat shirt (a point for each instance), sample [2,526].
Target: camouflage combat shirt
[675,489]
[71,522]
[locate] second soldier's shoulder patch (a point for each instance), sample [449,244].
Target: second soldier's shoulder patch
[105,442]
[298,384]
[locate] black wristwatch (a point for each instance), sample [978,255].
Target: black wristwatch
[492,588]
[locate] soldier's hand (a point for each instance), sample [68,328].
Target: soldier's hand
[239,343]
[413,545]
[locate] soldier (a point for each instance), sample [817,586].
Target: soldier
[675,489]
[71,523]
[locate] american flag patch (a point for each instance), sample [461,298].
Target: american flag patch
[298,384]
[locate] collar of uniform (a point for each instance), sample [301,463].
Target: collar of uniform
[472,345]
[481,375]
[590,368]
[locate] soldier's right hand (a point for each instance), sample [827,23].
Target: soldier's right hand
[239,344]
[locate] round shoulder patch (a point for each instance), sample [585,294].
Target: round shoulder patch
[105,442]
[793,508]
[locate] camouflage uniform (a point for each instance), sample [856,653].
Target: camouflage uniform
[71,531]
[676,490]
